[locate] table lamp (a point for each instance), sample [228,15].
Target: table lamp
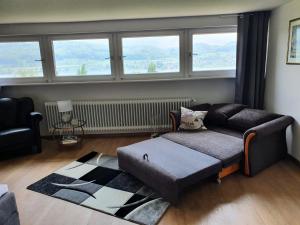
[66,108]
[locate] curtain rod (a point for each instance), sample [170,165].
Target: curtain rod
[241,15]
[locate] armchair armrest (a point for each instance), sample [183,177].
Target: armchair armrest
[36,116]
[265,144]
[34,119]
[175,118]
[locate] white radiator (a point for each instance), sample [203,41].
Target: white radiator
[121,116]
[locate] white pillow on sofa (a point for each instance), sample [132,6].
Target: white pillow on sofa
[192,120]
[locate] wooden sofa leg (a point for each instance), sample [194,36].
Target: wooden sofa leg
[247,144]
[228,170]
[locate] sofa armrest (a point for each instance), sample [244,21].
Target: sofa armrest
[35,119]
[175,118]
[270,127]
[8,209]
[265,144]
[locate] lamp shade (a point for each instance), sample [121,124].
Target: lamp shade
[65,106]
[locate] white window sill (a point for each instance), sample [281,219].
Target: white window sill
[136,80]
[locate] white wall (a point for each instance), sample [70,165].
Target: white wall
[283,81]
[205,90]
[20,11]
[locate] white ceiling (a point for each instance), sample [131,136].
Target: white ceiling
[35,11]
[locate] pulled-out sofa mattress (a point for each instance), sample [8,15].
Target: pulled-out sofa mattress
[167,167]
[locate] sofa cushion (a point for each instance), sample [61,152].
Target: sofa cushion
[8,113]
[13,137]
[218,114]
[248,118]
[224,147]
[192,120]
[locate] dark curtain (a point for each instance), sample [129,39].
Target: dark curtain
[251,58]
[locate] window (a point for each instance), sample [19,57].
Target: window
[214,51]
[20,59]
[151,54]
[135,55]
[82,57]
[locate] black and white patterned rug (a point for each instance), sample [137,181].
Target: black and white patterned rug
[95,181]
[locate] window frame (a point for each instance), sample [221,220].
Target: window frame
[208,73]
[116,57]
[150,76]
[21,80]
[76,78]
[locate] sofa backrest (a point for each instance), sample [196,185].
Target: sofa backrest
[8,113]
[25,107]
[218,114]
[200,107]
[15,112]
[248,118]
[237,116]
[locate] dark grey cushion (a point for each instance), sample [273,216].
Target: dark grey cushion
[224,147]
[248,118]
[218,114]
[171,167]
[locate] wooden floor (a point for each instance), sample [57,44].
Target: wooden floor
[272,197]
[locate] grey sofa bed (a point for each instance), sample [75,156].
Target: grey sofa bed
[262,136]
[237,138]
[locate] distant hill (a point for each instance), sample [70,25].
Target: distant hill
[70,56]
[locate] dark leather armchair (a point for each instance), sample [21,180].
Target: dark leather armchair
[19,126]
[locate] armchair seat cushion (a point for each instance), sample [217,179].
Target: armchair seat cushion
[228,149]
[13,137]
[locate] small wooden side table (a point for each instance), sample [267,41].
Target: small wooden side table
[69,134]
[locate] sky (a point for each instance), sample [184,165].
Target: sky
[215,39]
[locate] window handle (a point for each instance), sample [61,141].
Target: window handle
[192,54]
[111,58]
[122,57]
[39,60]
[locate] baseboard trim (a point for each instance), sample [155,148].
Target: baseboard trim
[293,159]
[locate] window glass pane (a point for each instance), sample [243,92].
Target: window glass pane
[214,51]
[144,55]
[20,60]
[82,57]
